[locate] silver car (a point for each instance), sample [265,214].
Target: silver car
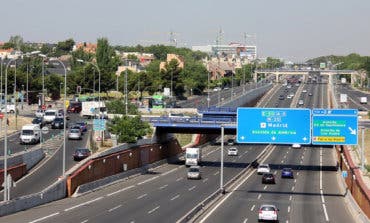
[194,172]
[74,134]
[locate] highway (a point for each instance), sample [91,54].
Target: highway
[353,97]
[312,196]
[50,168]
[165,195]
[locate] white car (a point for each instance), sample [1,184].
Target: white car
[268,212]
[194,172]
[300,102]
[304,91]
[296,146]
[232,151]
[39,113]
[263,168]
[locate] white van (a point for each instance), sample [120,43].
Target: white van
[30,134]
[50,115]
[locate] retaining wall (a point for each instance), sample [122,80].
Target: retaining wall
[354,181]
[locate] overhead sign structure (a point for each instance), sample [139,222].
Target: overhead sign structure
[273,125]
[99,124]
[334,126]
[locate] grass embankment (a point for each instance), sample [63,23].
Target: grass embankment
[184,139]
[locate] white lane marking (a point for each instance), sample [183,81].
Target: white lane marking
[233,160]
[301,161]
[175,197]
[84,221]
[325,212]
[112,209]
[245,152]
[275,172]
[163,174]
[118,191]
[282,161]
[322,196]
[216,173]
[237,186]
[82,204]
[259,196]
[297,173]
[290,197]
[284,156]
[245,220]
[166,185]
[192,188]
[293,188]
[146,181]
[253,207]
[287,152]
[205,180]
[43,218]
[295,180]
[141,196]
[288,209]
[153,210]
[178,179]
[210,152]
[265,187]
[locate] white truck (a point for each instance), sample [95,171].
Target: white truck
[363,100]
[94,109]
[193,156]
[9,108]
[30,134]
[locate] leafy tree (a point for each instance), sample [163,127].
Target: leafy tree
[118,107]
[16,41]
[65,47]
[171,74]
[129,129]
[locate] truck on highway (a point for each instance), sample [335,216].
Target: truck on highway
[94,109]
[193,156]
[30,134]
[363,100]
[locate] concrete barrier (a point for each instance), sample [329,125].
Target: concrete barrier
[30,157]
[54,192]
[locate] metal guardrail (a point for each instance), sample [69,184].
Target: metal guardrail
[194,120]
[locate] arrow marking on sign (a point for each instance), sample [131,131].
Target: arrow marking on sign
[304,139]
[353,131]
[273,138]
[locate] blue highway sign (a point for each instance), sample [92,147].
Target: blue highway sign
[99,124]
[273,125]
[334,126]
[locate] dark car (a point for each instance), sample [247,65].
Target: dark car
[281,97]
[287,173]
[268,178]
[39,121]
[81,153]
[58,123]
[83,126]
[61,114]
[74,107]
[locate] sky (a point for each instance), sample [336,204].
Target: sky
[294,30]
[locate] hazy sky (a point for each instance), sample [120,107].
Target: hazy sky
[290,29]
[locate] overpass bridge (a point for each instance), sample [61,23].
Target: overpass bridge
[281,72]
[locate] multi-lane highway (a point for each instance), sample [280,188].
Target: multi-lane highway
[165,195]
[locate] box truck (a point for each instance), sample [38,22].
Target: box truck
[363,100]
[193,156]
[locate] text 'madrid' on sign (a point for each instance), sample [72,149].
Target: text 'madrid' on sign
[273,125]
[334,126]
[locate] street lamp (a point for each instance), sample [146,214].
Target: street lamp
[43,56]
[6,134]
[64,116]
[208,99]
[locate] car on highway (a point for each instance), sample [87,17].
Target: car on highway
[263,168]
[268,178]
[83,125]
[74,134]
[296,146]
[268,212]
[310,94]
[180,117]
[232,151]
[289,96]
[78,127]
[230,142]
[38,121]
[304,91]
[287,173]
[40,113]
[50,115]
[194,172]
[281,97]
[58,123]
[300,102]
[74,107]
[81,153]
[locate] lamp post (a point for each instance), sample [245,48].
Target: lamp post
[222,189]
[208,99]
[43,56]
[96,66]
[1,80]
[64,116]
[6,135]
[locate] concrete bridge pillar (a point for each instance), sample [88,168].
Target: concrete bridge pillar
[277,77]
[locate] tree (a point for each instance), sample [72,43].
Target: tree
[171,77]
[16,41]
[118,107]
[108,62]
[129,129]
[65,47]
